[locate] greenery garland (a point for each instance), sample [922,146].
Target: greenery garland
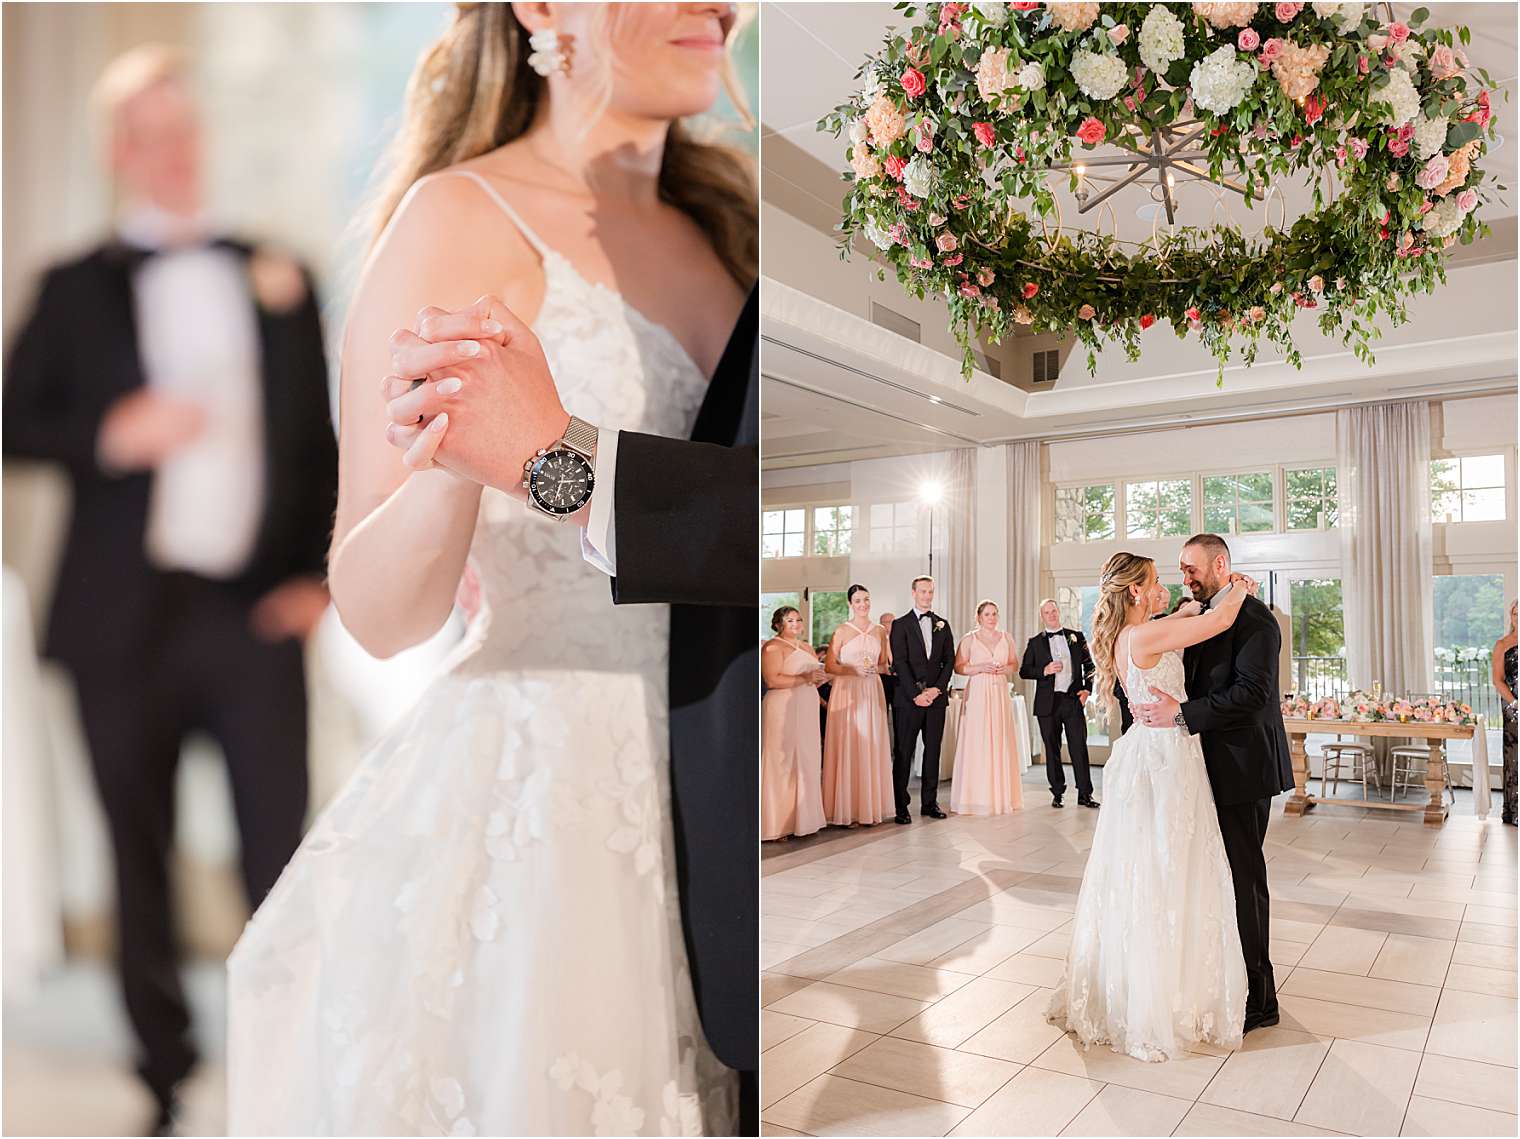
[958,115]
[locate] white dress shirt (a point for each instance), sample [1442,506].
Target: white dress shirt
[599,538]
[197,333]
[925,627]
[1060,650]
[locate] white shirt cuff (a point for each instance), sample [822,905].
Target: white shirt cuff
[599,538]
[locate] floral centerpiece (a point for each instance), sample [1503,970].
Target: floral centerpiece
[1374,708]
[960,117]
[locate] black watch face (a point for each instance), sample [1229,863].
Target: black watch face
[560,482]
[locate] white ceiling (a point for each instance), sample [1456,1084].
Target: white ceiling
[837,387]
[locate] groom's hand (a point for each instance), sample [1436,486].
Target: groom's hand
[485,377]
[1159,713]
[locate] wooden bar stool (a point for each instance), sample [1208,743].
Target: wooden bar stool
[1355,760]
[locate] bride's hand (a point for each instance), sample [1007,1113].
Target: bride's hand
[1248,584]
[1189,609]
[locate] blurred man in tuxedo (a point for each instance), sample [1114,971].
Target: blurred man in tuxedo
[179,378]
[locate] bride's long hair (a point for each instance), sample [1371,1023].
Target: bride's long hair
[473,91]
[1109,616]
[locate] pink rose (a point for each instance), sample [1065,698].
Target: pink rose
[1397,32]
[1398,147]
[984,133]
[1314,108]
[921,263]
[1147,320]
[1024,6]
[1086,312]
[1118,33]
[1467,201]
[1363,65]
[913,83]
[1286,13]
[985,277]
[1433,173]
[924,140]
[1271,50]
[1091,132]
[1340,155]
[1193,314]
[894,166]
[967,289]
[1030,289]
[1129,102]
[946,243]
[1248,40]
[953,259]
[1443,62]
[1358,147]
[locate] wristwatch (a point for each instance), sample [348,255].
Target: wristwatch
[559,479]
[1180,721]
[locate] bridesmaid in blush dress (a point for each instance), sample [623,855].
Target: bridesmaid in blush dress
[791,797]
[857,751]
[986,780]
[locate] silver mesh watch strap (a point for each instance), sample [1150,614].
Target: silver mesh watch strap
[581,436]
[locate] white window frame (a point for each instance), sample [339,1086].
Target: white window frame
[805,533]
[1274,477]
[1122,505]
[1282,514]
[1502,454]
[1113,484]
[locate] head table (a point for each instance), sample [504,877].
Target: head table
[1437,733]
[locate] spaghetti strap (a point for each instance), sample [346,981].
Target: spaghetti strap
[539,245]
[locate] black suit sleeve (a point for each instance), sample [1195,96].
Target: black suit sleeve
[1029,669]
[1252,688]
[902,665]
[1085,660]
[685,517]
[47,414]
[946,661]
[319,444]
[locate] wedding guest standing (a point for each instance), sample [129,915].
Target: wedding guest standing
[1504,681]
[791,797]
[1058,660]
[987,758]
[923,656]
[179,378]
[857,749]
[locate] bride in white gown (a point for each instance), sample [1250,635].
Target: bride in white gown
[480,935]
[1155,963]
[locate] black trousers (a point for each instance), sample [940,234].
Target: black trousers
[1066,714]
[1244,829]
[208,673]
[910,721]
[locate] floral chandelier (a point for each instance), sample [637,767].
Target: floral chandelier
[964,120]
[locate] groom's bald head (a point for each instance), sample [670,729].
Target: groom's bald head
[1205,565]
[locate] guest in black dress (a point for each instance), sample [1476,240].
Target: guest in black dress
[1504,681]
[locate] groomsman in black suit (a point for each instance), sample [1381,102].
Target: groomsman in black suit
[181,383]
[923,657]
[1058,660]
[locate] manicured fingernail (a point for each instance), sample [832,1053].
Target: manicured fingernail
[490,327]
[469,348]
[450,385]
[440,422]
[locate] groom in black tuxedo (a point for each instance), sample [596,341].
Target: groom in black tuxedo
[923,657]
[1235,707]
[684,514]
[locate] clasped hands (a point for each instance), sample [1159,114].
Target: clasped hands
[486,403]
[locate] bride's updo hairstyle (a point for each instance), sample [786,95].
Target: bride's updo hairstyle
[473,92]
[1120,588]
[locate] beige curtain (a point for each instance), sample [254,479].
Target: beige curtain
[1383,454]
[1020,616]
[955,571]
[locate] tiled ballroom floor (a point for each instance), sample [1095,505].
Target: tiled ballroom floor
[907,970]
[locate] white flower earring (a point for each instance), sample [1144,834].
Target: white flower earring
[550,52]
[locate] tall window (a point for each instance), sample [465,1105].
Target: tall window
[781,533]
[830,610]
[1469,489]
[1470,615]
[1238,504]
[894,527]
[1311,498]
[832,530]
[1159,509]
[1085,513]
[1319,638]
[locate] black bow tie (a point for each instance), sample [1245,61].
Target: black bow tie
[134,255]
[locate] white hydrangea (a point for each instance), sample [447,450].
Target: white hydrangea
[1161,39]
[918,176]
[1221,79]
[1032,76]
[1444,220]
[1429,136]
[995,15]
[860,134]
[1343,15]
[1098,76]
[1401,96]
[880,236]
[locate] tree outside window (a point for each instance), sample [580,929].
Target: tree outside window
[782,533]
[1238,504]
[1085,513]
[1312,502]
[1159,509]
[1467,489]
[833,528]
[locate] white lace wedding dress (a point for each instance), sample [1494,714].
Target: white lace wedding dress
[481,934]
[1155,962]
